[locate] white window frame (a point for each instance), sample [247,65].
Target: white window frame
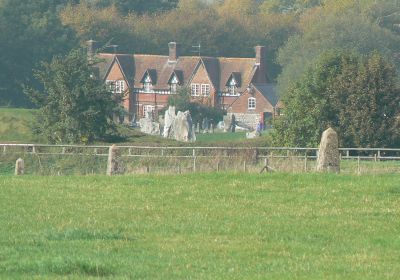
[116,86]
[111,85]
[205,89]
[251,103]
[147,84]
[195,89]
[174,85]
[148,108]
[119,86]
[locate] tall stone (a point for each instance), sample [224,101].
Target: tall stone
[169,118]
[183,127]
[113,162]
[328,154]
[19,167]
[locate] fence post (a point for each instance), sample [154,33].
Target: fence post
[305,162]
[358,166]
[113,161]
[194,160]
[4,149]
[244,166]
[379,155]
[217,166]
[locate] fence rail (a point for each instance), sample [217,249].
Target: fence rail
[62,159]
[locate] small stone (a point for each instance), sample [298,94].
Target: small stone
[19,167]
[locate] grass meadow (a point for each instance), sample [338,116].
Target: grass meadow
[200,226]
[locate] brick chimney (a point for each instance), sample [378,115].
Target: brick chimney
[173,51]
[261,63]
[92,47]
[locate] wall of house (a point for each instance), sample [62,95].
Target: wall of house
[201,77]
[253,116]
[115,74]
[157,100]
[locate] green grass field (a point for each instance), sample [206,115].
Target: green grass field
[200,226]
[15,125]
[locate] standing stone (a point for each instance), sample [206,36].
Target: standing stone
[113,163]
[328,154]
[183,127]
[19,167]
[169,118]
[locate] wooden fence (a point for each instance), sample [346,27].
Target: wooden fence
[192,159]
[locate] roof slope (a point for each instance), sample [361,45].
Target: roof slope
[269,92]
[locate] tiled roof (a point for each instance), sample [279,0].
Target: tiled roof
[269,92]
[244,66]
[219,69]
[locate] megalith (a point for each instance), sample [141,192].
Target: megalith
[183,127]
[328,159]
[19,167]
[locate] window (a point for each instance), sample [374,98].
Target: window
[147,109]
[174,84]
[116,86]
[119,86]
[232,90]
[173,88]
[205,89]
[251,103]
[147,84]
[195,89]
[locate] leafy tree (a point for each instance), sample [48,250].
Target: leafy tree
[356,95]
[323,31]
[74,107]
[30,31]
[198,111]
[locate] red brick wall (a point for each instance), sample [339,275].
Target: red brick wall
[241,104]
[201,77]
[115,74]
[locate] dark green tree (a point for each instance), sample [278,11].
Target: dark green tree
[356,95]
[30,32]
[74,107]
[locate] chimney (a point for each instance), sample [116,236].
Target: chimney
[92,47]
[173,51]
[261,62]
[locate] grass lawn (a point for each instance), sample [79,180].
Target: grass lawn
[15,125]
[200,226]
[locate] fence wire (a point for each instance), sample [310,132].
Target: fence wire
[85,160]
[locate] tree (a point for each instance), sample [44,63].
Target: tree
[30,31]
[198,111]
[357,95]
[323,31]
[74,107]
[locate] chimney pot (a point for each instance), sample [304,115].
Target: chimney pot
[92,47]
[173,51]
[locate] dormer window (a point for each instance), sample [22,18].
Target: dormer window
[232,85]
[174,84]
[147,84]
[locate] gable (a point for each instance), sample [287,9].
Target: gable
[200,76]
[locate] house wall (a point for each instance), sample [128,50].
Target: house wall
[201,77]
[157,100]
[253,116]
[115,74]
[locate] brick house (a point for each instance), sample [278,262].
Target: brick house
[237,85]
